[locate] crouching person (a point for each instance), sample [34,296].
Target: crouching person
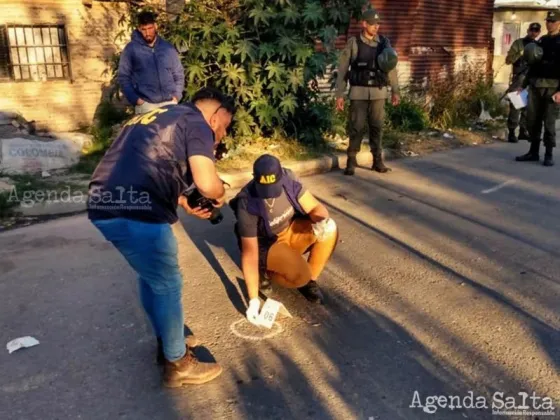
[278,221]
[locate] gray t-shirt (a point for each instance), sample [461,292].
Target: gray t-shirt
[279,211]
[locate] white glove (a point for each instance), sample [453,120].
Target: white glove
[324,229]
[253,311]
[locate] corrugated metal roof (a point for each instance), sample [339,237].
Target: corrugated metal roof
[429,33]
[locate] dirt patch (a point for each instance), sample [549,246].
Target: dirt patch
[426,142]
[28,188]
[243,156]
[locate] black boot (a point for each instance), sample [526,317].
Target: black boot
[312,292]
[532,155]
[351,165]
[548,160]
[528,157]
[379,166]
[512,138]
[524,135]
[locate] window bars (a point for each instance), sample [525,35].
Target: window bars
[34,53]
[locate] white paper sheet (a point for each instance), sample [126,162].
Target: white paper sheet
[519,100]
[21,342]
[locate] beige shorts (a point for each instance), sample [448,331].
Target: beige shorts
[286,265]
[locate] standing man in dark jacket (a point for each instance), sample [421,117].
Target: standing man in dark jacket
[543,80]
[371,62]
[519,72]
[150,71]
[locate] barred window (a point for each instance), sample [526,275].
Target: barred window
[34,53]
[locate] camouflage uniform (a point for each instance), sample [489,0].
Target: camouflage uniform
[543,81]
[367,104]
[519,68]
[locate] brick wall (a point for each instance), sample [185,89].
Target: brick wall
[64,105]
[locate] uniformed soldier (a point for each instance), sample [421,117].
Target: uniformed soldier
[368,62]
[519,70]
[543,80]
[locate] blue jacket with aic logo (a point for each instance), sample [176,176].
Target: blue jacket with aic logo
[154,74]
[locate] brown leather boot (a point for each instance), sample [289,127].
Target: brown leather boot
[189,371]
[191,341]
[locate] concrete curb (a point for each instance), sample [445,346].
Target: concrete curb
[235,180]
[310,167]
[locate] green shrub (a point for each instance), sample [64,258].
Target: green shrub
[265,53]
[6,205]
[455,99]
[108,114]
[407,116]
[102,137]
[318,118]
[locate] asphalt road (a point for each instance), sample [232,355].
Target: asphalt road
[446,281]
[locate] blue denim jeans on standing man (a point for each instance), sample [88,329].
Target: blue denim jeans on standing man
[151,250]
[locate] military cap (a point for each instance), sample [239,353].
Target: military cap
[535,26]
[553,16]
[371,16]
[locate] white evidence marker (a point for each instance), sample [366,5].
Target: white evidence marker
[270,311]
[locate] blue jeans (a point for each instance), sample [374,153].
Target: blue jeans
[151,250]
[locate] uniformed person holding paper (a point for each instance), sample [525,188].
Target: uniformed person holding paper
[368,63]
[543,81]
[518,117]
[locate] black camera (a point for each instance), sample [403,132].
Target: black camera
[195,199]
[221,151]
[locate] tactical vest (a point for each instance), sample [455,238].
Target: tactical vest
[364,70]
[255,207]
[549,66]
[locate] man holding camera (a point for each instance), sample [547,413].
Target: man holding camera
[368,62]
[278,221]
[133,198]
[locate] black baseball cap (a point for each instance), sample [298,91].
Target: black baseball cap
[553,16]
[267,176]
[535,26]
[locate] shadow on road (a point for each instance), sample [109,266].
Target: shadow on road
[350,360]
[460,227]
[204,235]
[357,363]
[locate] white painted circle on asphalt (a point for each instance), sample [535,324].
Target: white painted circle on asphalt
[255,336]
